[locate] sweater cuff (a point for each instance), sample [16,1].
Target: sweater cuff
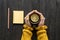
[41,27]
[27,27]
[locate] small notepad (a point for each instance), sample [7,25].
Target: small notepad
[18,17]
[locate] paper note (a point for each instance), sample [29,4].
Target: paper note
[18,17]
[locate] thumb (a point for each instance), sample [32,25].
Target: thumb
[42,22]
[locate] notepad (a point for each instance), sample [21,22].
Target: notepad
[18,17]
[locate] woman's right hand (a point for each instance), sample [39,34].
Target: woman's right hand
[27,18]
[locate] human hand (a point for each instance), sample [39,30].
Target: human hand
[27,18]
[42,18]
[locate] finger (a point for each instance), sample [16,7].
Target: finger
[27,22]
[27,16]
[42,22]
[30,12]
[37,12]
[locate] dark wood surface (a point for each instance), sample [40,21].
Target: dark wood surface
[49,8]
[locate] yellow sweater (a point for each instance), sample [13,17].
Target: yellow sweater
[41,33]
